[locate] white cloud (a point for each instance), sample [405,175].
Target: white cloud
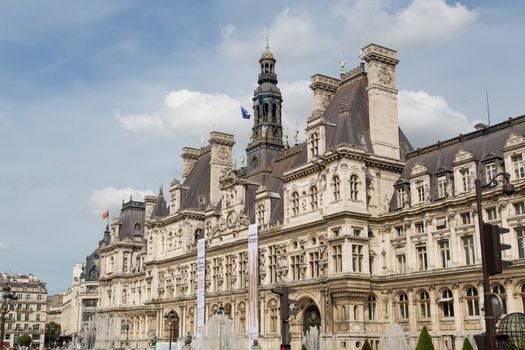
[297,106]
[293,35]
[426,119]
[421,22]
[3,246]
[111,198]
[191,113]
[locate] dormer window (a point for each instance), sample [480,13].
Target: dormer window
[465,179]
[442,186]
[517,164]
[314,144]
[313,198]
[400,198]
[354,184]
[295,203]
[336,187]
[260,214]
[420,193]
[490,172]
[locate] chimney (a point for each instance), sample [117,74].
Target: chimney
[190,157]
[221,145]
[382,100]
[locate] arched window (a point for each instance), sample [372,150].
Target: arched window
[371,307]
[354,187]
[295,203]
[274,111]
[500,290]
[266,68]
[336,187]
[313,198]
[274,315]
[260,214]
[447,303]
[472,302]
[403,306]
[424,305]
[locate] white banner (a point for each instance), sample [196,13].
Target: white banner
[253,267]
[201,286]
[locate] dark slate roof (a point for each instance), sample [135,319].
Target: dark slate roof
[197,184]
[481,143]
[131,220]
[160,209]
[91,271]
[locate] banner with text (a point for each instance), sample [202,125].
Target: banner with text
[253,267]
[201,275]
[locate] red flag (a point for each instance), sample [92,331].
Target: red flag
[105,214]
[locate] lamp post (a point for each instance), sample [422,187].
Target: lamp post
[8,304]
[172,318]
[490,326]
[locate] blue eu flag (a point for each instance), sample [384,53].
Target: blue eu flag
[245,113]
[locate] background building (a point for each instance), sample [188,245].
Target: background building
[30,313]
[370,232]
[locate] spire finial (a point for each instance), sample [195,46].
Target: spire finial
[342,63]
[267,45]
[161,190]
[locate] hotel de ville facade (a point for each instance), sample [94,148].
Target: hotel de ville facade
[370,232]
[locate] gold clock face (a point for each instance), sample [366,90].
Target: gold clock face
[230,220]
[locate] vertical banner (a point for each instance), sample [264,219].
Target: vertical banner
[201,275]
[253,276]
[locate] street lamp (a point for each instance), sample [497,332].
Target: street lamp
[490,325]
[8,304]
[172,318]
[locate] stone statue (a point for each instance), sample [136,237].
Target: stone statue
[187,340]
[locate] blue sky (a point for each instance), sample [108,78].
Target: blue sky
[97,98]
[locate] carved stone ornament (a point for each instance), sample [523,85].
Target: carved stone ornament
[418,169]
[514,140]
[227,178]
[384,75]
[462,155]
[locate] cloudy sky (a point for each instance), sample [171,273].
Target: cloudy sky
[97,98]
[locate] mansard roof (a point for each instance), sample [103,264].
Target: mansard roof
[91,271]
[160,209]
[486,143]
[197,184]
[131,220]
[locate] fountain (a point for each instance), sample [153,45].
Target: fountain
[219,332]
[88,333]
[311,338]
[396,339]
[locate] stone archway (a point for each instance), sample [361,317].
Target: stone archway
[312,327]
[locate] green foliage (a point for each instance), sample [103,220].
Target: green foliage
[424,342]
[303,347]
[366,345]
[467,345]
[52,333]
[24,340]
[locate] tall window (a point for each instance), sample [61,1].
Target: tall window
[371,308]
[296,267]
[519,208]
[400,231]
[447,303]
[314,264]
[490,172]
[420,193]
[517,164]
[402,263]
[492,213]
[442,186]
[354,187]
[337,258]
[243,269]
[465,218]
[465,179]
[403,306]
[400,198]
[424,305]
[313,197]
[468,248]
[357,258]
[336,188]
[272,263]
[520,235]
[295,203]
[420,227]
[314,144]
[422,258]
[500,290]
[260,214]
[472,302]
[444,253]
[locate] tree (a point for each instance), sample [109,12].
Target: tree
[366,345]
[52,333]
[467,345]
[24,340]
[424,342]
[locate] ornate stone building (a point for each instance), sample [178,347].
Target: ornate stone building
[370,232]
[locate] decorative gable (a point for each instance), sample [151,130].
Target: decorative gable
[514,141]
[418,169]
[463,156]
